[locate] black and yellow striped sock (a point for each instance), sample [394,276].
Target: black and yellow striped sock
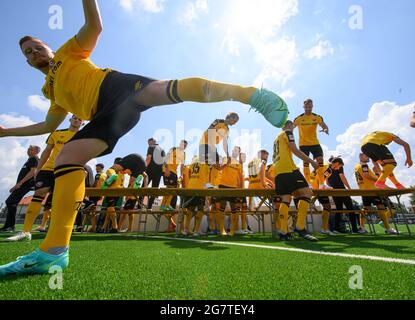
[32,213]
[67,199]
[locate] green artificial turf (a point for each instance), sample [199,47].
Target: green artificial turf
[131,267]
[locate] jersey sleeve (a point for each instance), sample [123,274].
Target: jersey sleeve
[73,48]
[55,109]
[290,136]
[320,119]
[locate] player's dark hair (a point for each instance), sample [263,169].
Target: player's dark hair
[29,38]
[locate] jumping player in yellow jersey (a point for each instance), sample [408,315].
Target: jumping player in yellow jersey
[199,178]
[290,182]
[218,131]
[113,103]
[44,179]
[374,146]
[307,126]
[366,179]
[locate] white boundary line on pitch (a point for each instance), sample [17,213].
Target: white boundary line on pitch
[323,253]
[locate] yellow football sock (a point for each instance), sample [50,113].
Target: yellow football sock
[234,223]
[32,213]
[220,220]
[212,225]
[303,207]
[362,220]
[283,220]
[198,220]
[325,216]
[307,173]
[244,219]
[320,174]
[93,223]
[113,216]
[67,199]
[384,215]
[203,90]
[386,172]
[130,222]
[122,219]
[187,220]
[45,218]
[167,200]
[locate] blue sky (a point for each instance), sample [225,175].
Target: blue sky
[302,48]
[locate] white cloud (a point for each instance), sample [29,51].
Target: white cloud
[37,102]
[153,6]
[321,50]
[383,116]
[277,59]
[192,12]
[287,94]
[256,25]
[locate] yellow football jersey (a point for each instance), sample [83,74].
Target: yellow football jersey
[283,158]
[307,128]
[175,157]
[271,171]
[186,174]
[99,181]
[254,173]
[57,139]
[362,181]
[215,176]
[73,82]
[217,131]
[199,175]
[119,183]
[231,174]
[379,138]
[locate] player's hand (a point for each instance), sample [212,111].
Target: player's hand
[314,164]
[3,132]
[326,131]
[409,163]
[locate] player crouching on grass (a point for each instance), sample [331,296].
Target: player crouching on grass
[290,182]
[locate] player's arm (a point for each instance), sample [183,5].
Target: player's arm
[368,174]
[344,180]
[262,176]
[324,127]
[51,123]
[88,36]
[407,149]
[299,154]
[44,156]
[26,178]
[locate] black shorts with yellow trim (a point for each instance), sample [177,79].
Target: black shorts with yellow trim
[377,152]
[287,183]
[117,111]
[232,201]
[45,179]
[130,204]
[112,201]
[197,203]
[171,181]
[316,150]
[324,200]
[376,201]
